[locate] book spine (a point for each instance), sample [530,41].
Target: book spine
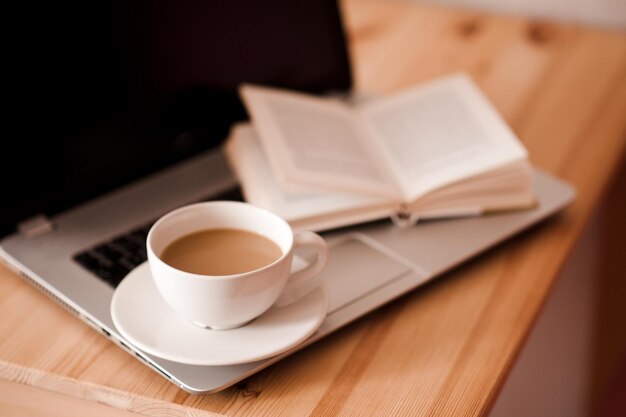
[404,217]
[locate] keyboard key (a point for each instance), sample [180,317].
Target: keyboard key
[133,260]
[108,253]
[113,275]
[125,245]
[88,261]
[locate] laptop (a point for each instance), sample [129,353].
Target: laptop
[124,107]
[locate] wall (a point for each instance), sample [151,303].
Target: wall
[609,13]
[574,361]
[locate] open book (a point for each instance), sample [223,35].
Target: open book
[436,150]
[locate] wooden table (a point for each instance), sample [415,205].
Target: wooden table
[442,350]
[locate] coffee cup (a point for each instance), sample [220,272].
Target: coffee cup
[221,264]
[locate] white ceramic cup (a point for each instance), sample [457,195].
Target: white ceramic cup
[229,301]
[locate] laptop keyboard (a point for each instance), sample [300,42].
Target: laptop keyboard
[113,259]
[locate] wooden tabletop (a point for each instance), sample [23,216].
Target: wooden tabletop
[444,349]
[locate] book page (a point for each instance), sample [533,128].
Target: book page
[504,188]
[311,210]
[315,143]
[440,133]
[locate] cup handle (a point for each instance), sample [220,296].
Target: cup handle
[306,280]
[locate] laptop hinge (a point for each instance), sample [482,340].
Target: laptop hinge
[35,226]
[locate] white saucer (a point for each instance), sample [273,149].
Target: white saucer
[144,319]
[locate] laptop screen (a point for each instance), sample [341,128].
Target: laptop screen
[105,92]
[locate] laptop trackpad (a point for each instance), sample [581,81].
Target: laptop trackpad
[355,268]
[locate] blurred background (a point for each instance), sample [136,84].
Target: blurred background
[574,361]
[609,13]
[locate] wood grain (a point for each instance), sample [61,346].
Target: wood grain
[17,401]
[446,348]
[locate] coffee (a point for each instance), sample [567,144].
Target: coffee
[221,252]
